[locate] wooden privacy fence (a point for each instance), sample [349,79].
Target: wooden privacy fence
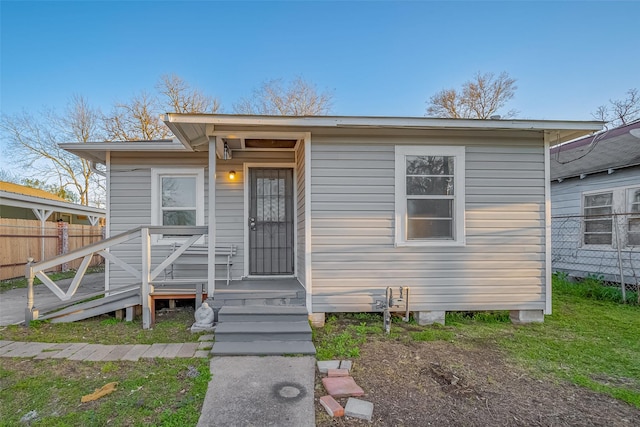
[21,239]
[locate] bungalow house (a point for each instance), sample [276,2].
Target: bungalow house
[595,193]
[456,211]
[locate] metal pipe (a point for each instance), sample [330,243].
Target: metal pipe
[622,284]
[387,312]
[29,313]
[406,303]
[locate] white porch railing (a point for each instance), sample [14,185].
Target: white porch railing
[144,277]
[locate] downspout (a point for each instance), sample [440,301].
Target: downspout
[92,167]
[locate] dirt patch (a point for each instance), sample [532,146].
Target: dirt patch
[441,384]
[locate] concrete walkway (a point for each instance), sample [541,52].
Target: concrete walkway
[14,302]
[99,352]
[260,391]
[244,391]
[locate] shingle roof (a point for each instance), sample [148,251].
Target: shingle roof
[616,148]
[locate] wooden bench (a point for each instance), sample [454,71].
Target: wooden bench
[198,255]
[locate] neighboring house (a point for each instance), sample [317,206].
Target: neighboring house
[595,193]
[456,210]
[21,202]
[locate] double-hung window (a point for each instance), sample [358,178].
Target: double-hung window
[177,197]
[598,222]
[633,224]
[429,195]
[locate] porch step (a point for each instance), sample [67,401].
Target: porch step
[262,348]
[262,313]
[263,331]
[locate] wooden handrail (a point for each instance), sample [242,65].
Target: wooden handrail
[145,276]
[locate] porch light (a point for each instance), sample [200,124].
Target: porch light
[232,175]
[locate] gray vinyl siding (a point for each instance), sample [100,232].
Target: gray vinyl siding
[502,265]
[568,252]
[131,203]
[300,213]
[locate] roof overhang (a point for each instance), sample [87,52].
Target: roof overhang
[31,202]
[97,151]
[195,129]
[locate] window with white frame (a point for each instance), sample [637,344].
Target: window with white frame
[598,222]
[177,197]
[429,195]
[633,223]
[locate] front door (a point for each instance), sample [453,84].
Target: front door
[271,225]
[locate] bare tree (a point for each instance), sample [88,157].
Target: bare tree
[136,120]
[479,98]
[620,111]
[179,97]
[34,145]
[140,118]
[297,98]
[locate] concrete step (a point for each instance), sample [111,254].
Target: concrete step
[262,313]
[263,331]
[262,348]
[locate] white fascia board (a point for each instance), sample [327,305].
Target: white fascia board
[96,151]
[30,202]
[384,122]
[177,131]
[122,146]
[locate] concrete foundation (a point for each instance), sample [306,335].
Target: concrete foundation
[526,316]
[429,317]
[317,320]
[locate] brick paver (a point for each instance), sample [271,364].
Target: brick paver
[9,347]
[134,354]
[101,352]
[118,352]
[63,354]
[84,352]
[154,351]
[188,349]
[170,351]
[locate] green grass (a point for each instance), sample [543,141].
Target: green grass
[163,392]
[591,339]
[172,327]
[19,283]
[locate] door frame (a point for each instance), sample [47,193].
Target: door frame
[245,175]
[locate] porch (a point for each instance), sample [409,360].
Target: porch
[148,281]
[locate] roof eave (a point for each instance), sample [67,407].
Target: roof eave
[25,201]
[96,151]
[561,130]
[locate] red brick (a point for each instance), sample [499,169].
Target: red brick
[338,372]
[332,407]
[342,387]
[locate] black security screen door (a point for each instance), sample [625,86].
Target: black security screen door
[270,221]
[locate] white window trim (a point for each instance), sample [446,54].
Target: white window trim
[156,212]
[627,202]
[620,204]
[584,222]
[401,200]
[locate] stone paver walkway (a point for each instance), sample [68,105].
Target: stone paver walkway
[101,352]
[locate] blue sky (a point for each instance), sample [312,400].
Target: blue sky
[378,58]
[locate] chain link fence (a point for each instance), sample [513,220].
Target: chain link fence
[605,247]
